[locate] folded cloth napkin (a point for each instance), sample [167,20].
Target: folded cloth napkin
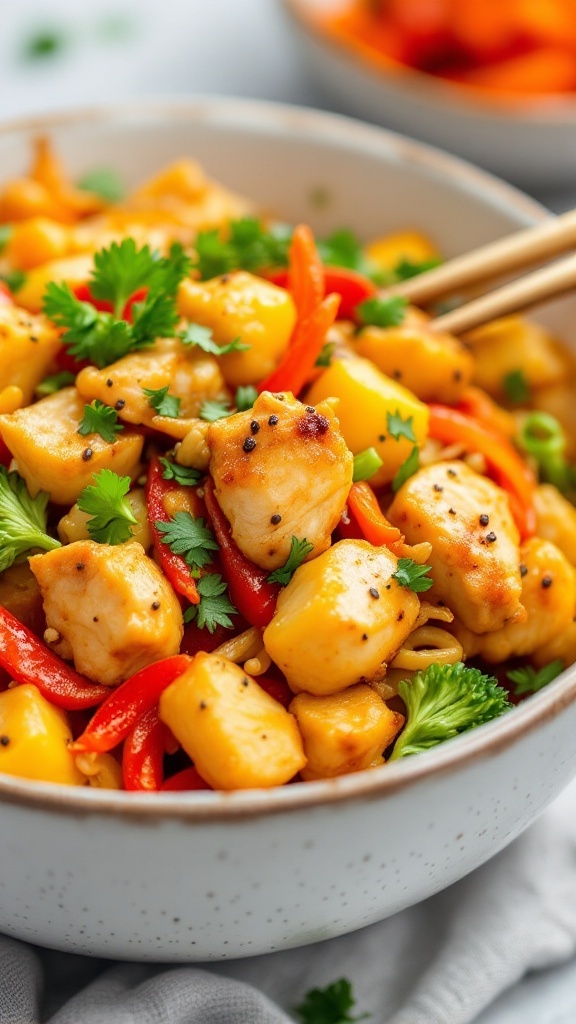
[444,961]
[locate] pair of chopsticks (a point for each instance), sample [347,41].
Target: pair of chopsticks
[509,254]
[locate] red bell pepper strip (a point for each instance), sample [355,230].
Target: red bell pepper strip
[125,705]
[352,287]
[363,506]
[187,779]
[28,660]
[248,585]
[5,454]
[276,688]
[143,754]
[309,336]
[511,471]
[305,276]
[173,566]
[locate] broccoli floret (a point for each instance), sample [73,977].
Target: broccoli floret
[444,701]
[22,520]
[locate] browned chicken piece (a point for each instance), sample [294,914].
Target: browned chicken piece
[28,345]
[280,470]
[556,519]
[20,594]
[432,364]
[562,647]
[549,597]
[111,606]
[475,554]
[190,374]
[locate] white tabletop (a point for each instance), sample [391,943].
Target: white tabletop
[108,50]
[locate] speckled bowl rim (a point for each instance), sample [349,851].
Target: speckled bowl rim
[466,99]
[488,740]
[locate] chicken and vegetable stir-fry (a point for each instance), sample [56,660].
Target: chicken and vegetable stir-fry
[260,523]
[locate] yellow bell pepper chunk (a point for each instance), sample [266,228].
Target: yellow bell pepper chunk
[390,250]
[236,734]
[241,305]
[37,240]
[366,399]
[34,738]
[74,270]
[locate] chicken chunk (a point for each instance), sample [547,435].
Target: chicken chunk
[190,374]
[475,553]
[280,470]
[52,456]
[556,519]
[549,597]
[340,619]
[111,605]
[28,345]
[432,364]
[502,346]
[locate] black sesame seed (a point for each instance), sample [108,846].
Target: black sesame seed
[374,593]
[272,421]
[254,426]
[523,570]
[245,681]
[438,487]
[276,518]
[388,586]
[155,605]
[87,454]
[490,537]
[546,582]
[451,511]
[120,404]
[381,437]
[95,619]
[203,705]
[310,408]
[249,444]
[4,740]
[109,382]
[364,636]
[484,519]
[80,566]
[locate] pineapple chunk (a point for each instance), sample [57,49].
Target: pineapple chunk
[365,399]
[505,345]
[240,305]
[390,250]
[28,345]
[191,375]
[112,607]
[52,456]
[35,737]
[237,735]
[340,618]
[344,732]
[74,270]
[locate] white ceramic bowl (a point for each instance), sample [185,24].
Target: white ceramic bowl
[214,875]
[530,143]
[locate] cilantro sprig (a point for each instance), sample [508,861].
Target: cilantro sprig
[330,1005]
[412,575]
[202,337]
[248,246]
[299,549]
[397,427]
[190,538]
[22,520]
[214,608]
[410,466]
[246,395]
[183,475]
[530,680]
[100,419]
[111,514]
[516,387]
[163,403]
[381,312]
[211,410]
[57,381]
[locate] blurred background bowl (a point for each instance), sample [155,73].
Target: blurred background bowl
[530,141]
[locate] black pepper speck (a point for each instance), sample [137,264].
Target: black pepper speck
[523,570]
[451,511]
[4,740]
[87,454]
[109,382]
[249,444]
[484,519]
[546,582]
[275,519]
[80,566]
[438,487]
[254,426]
[374,593]
[272,421]
[155,605]
[120,404]
[490,537]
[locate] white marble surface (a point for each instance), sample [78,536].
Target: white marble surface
[118,49]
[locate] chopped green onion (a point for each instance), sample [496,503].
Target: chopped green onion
[542,437]
[366,463]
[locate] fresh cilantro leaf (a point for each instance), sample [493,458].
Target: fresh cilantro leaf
[245,397]
[412,575]
[516,387]
[326,354]
[343,249]
[195,334]
[298,551]
[188,537]
[5,235]
[156,317]
[249,246]
[46,43]
[88,334]
[407,469]
[104,182]
[105,501]
[330,1005]
[406,268]
[22,520]
[212,411]
[50,385]
[13,279]
[397,427]
[121,270]
[530,680]
[100,419]
[379,312]
[214,256]
[215,607]
[162,402]
[183,475]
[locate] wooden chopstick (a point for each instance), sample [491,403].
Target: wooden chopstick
[547,283]
[531,245]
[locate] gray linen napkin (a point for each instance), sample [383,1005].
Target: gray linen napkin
[441,962]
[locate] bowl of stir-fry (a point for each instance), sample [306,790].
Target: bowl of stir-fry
[287,576]
[494,83]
